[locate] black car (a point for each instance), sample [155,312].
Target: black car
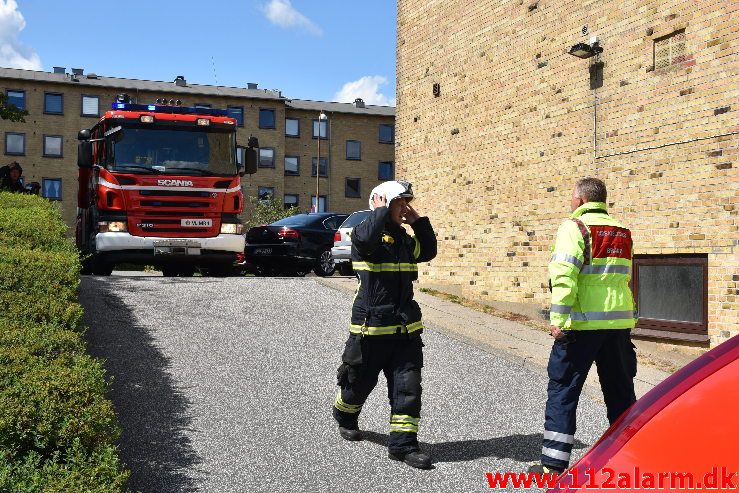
[294,245]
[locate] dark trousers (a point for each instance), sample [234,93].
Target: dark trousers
[400,358]
[569,362]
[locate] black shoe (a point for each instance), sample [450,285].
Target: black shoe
[416,459]
[544,469]
[353,435]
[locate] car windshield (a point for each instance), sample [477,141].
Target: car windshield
[178,152]
[299,220]
[354,219]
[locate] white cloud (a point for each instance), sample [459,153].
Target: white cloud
[12,53]
[282,13]
[367,88]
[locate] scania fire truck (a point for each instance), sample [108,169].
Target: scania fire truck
[160,184]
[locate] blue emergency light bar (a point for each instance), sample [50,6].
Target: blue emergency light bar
[178,110]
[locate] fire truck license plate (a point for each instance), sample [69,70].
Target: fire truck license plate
[196,223]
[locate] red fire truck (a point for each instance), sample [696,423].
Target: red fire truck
[160,184]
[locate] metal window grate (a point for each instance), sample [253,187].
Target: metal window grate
[670,50]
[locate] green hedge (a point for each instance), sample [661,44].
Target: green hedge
[57,428]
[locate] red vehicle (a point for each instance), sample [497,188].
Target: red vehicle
[681,435]
[160,185]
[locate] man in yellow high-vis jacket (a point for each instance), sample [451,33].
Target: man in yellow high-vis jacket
[592,313]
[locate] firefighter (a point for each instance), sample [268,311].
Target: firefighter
[592,314]
[386,326]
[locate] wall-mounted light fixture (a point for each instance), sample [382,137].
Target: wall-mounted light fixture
[586,50]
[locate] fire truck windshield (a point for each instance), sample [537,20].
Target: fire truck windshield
[176,152]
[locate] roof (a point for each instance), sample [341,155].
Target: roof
[317,106]
[141,85]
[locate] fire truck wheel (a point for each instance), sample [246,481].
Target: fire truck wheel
[101,268]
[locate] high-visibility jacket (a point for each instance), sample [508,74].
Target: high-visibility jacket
[385,259]
[590,272]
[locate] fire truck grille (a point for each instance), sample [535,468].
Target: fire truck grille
[165,203]
[172,193]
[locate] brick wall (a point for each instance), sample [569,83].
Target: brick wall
[494,156]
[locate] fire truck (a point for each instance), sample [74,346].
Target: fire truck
[160,185]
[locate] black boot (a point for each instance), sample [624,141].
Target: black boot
[415,458]
[353,435]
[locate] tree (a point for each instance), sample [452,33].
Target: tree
[10,111]
[265,211]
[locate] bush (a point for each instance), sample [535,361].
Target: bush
[56,426]
[265,212]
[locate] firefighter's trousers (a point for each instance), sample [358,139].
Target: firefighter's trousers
[401,359]
[569,362]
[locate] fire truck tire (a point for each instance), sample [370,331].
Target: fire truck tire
[101,267]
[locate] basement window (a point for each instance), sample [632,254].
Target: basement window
[670,50]
[671,294]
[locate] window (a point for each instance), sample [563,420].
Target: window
[334,222]
[237,112]
[240,152]
[292,127]
[266,157]
[53,145]
[15,144]
[324,167]
[53,103]
[385,171]
[292,165]
[671,293]
[202,105]
[320,126]
[265,193]
[90,105]
[51,188]
[321,203]
[387,133]
[291,200]
[352,189]
[266,118]
[669,50]
[353,150]
[17,98]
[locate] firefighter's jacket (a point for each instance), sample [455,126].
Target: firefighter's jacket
[590,272]
[385,259]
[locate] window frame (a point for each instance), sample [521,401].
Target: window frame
[82,105]
[284,162]
[262,188]
[235,107]
[349,158]
[259,157]
[61,96]
[292,136]
[286,205]
[61,188]
[672,326]
[318,166]
[313,128]
[392,169]
[23,152]
[379,133]
[346,188]
[672,60]
[274,118]
[325,202]
[25,99]
[61,147]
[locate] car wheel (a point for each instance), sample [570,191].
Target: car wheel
[345,269]
[325,265]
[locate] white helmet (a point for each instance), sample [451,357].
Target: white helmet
[392,190]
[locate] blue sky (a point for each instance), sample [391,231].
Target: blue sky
[328,50]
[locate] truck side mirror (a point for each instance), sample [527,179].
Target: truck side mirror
[84,154]
[84,134]
[251,158]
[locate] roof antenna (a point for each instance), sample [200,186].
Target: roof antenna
[213,63]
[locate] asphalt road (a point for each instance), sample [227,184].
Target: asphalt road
[226,385]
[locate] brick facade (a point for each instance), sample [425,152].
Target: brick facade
[346,121]
[494,154]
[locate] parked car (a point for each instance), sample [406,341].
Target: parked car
[685,427]
[294,245]
[342,249]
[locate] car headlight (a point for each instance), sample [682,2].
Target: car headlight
[112,226]
[230,229]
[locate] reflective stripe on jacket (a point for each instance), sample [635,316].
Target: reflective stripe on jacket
[592,293]
[385,259]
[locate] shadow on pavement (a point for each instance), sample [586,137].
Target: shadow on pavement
[521,448]
[152,411]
